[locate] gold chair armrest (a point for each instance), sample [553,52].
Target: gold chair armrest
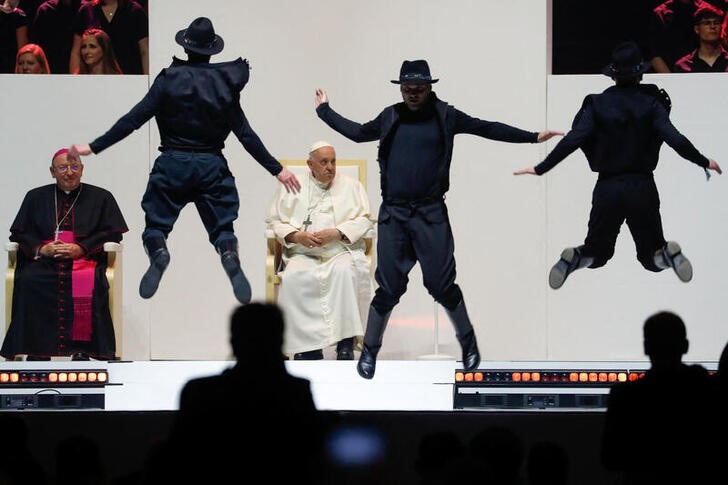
[12,249]
[114,276]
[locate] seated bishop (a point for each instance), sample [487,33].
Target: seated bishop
[326,284]
[61,295]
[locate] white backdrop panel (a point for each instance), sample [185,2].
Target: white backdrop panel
[353,49]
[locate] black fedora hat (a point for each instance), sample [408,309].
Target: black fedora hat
[626,61]
[415,72]
[200,37]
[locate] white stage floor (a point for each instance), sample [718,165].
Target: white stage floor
[417,385]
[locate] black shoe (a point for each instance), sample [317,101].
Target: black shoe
[38,358]
[571,260]
[345,349]
[310,355]
[367,362]
[241,287]
[80,356]
[345,354]
[158,262]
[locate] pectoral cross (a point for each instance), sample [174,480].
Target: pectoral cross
[56,234]
[307,222]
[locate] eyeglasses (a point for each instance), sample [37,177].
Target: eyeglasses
[710,22]
[75,167]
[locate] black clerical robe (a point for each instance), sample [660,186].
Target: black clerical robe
[61,306]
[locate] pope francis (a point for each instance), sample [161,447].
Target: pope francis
[326,284]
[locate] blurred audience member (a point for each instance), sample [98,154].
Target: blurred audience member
[13,35]
[497,454]
[656,428]
[97,54]
[127,26]
[710,56]
[443,458]
[53,31]
[78,462]
[547,464]
[671,32]
[17,464]
[31,60]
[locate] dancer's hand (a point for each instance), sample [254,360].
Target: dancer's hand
[79,149]
[547,135]
[713,165]
[525,171]
[289,181]
[321,97]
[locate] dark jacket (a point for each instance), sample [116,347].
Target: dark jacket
[452,121]
[196,106]
[624,128]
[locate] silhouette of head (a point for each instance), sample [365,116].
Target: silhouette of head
[665,338]
[499,453]
[256,333]
[547,464]
[723,364]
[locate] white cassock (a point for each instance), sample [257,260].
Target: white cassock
[325,292]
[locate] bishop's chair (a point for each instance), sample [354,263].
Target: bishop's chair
[113,275]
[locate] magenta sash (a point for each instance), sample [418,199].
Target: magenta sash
[82,284]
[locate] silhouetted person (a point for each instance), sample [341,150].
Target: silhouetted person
[17,464]
[442,456]
[253,420]
[655,429]
[78,462]
[547,464]
[497,454]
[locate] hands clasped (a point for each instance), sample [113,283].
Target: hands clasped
[316,239]
[61,250]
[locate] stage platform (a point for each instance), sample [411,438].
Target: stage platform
[417,385]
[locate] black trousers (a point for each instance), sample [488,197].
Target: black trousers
[415,233]
[632,198]
[180,177]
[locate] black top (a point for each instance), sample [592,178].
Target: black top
[9,24]
[625,127]
[53,31]
[196,106]
[451,121]
[415,155]
[94,220]
[128,26]
[693,63]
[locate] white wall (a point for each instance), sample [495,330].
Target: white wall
[508,231]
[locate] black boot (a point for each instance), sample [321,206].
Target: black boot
[571,260]
[156,249]
[376,324]
[345,349]
[466,335]
[231,263]
[671,256]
